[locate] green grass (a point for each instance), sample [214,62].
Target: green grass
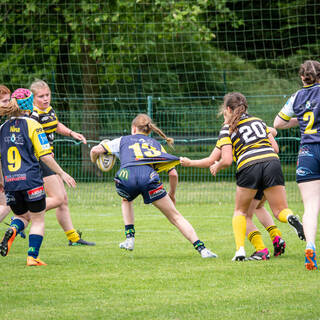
[163,278]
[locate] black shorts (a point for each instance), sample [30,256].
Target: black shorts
[45,170]
[22,201]
[261,176]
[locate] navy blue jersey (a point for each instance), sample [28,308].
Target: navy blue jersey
[140,149]
[305,105]
[23,142]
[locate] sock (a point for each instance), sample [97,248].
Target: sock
[17,224]
[284,214]
[35,241]
[256,240]
[199,245]
[239,230]
[273,232]
[129,230]
[311,245]
[72,235]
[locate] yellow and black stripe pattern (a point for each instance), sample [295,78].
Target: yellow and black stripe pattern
[49,121]
[250,143]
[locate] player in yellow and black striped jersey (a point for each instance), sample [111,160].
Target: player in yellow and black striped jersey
[56,192]
[247,140]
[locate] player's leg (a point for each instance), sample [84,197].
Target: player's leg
[128,219]
[310,192]
[20,221]
[36,232]
[4,209]
[276,197]
[57,198]
[244,196]
[166,206]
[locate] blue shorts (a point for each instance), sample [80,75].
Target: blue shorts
[133,181]
[308,164]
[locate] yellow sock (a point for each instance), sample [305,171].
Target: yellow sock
[256,240]
[273,232]
[72,235]
[239,230]
[283,215]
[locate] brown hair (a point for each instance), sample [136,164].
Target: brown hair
[237,102]
[11,109]
[144,124]
[310,71]
[4,90]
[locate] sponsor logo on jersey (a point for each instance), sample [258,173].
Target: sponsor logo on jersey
[156,192]
[44,141]
[15,177]
[14,129]
[35,193]
[124,174]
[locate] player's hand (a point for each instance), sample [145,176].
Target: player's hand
[214,169]
[1,187]
[185,162]
[78,136]
[68,179]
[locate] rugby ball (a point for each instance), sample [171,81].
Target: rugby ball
[105,162]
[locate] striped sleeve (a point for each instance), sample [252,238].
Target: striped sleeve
[224,138]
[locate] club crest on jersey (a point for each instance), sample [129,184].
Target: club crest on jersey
[44,141]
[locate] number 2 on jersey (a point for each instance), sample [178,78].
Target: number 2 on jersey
[14,159]
[144,150]
[309,116]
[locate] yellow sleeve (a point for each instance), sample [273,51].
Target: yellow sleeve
[223,141]
[38,138]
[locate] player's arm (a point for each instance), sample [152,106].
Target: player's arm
[95,152]
[1,178]
[52,164]
[173,183]
[225,161]
[272,132]
[279,123]
[105,146]
[202,163]
[65,131]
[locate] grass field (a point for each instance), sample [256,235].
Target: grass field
[163,278]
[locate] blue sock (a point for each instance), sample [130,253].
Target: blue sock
[35,241]
[17,224]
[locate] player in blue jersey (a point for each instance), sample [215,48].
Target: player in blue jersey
[246,139]
[141,160]
[23,143]
[303,109]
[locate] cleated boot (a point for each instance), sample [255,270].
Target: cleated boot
[31,261]
[310,259]
[128,244]
[7,240]
[206,253]
[260,255]
[81,242]
[279,246]
[240,255]
[297,226]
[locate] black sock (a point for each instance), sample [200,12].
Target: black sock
[129,230]
[199,245]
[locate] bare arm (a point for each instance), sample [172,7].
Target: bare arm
[65,131]
[279,123]
[202,163]
[274,143]
[52,164]
[225,161]
[173,182]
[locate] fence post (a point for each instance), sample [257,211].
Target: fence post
[150,109]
